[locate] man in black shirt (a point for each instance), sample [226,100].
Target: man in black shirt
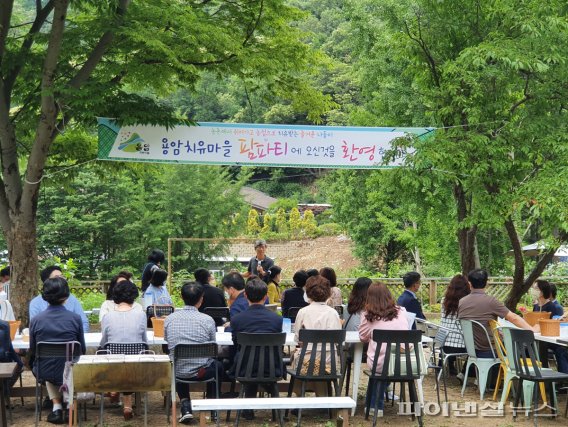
[259,264]
[212,296]
[294,297]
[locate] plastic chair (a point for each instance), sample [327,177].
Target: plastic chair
[124,348]
[220,315]
[404,345]
[187,352]
[505,370]
[527,368]
[258,357]
[483,365]
[527,386]
[66,351]
[440,341]
[313,366]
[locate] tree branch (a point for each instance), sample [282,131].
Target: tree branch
[519,272]
[525,98]
[429,58]
[46,129]
[5,17]
[8,156]
[99,50]
[41,16]
[252,29]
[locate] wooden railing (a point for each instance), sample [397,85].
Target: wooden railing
[431,291]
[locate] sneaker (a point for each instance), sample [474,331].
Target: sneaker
[56,417]
[460,377]
[392,396]
[379,413]
[186,415]
[475,382]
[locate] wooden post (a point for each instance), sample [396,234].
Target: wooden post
[433,293]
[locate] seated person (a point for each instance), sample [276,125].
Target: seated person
[5,283]
[189,326]
[482,307]
[294,297]
[109,305]
[212,295]
[408,299]
[6,310]
[124,324]
[255,319]
[7,352]
[38,304]
[234,285]
[380,312]
[356,304]
[336,298]
[157,293]
[55,324]
[317,315]
[542,294]
[553,292]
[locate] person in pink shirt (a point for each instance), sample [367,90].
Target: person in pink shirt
[381,312]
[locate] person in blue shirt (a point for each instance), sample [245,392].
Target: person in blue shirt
[408,299]
[542,294]
[39,305]
[234,285]
[553,299]
[157,293]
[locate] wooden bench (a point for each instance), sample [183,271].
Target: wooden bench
[341,404]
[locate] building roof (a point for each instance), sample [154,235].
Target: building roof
[257,199]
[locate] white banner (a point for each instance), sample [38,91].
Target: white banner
[252,145]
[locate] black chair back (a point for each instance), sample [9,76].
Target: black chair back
[68,351]
[339,309]
[525,354]
[183,352]
[220,315]
[157,310]
[293,312]
[259,357]
[126,347]
[399,346]
[317,347]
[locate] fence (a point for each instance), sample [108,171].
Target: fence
[431,291]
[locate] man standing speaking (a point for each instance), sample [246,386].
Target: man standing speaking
[259,264]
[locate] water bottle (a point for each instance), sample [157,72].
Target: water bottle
[286,325]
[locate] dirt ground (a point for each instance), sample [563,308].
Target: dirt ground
[24,416]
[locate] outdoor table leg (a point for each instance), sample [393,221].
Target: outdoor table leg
[357,357]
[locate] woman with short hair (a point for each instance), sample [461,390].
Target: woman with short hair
[124,325]
[109,305]
[335,297]
[54,324]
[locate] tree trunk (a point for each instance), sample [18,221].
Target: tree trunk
[466,234]
[521,284]
[23,259]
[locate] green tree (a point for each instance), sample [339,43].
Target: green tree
[295,222]
[492,78]
[281,222]
[253,228]
[62,63]
[309,224]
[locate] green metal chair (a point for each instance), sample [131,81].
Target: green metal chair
[510,374]
[483,365]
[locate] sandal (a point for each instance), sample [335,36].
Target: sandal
[127,412]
